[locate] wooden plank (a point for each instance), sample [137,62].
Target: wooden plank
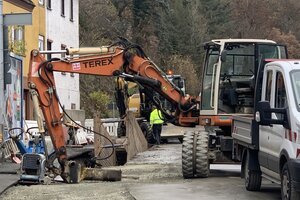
[136,140]
[100,142]
[102,174]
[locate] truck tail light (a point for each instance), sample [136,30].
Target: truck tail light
[295,135]
[291,136]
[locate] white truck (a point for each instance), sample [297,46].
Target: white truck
[268,141]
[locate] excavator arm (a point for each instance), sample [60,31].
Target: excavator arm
[120,59]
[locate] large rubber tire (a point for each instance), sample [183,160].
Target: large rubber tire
[195,154]
[148,133]
[187,154]
[288,192]
[252,178]
[202,162]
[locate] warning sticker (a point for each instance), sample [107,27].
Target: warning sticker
[76,66]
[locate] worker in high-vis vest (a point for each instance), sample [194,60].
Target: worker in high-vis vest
[156,121]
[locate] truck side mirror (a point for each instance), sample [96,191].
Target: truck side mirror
[264,115]
[223,56]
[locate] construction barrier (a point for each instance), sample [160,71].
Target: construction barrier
[111,125]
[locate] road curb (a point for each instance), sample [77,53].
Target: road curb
[9,186]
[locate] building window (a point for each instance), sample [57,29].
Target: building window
[41,42]
[49,48]
[41,2]
[63,8]
[73,106]
[71,11]
[63,47]
[18,33]
[16,40]
[49,4]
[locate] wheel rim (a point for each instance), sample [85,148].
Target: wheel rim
[285,186]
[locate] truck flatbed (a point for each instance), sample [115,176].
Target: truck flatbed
[242,129]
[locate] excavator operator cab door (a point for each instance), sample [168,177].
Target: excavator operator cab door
[229,74]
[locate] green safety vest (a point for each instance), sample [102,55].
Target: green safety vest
[156,117]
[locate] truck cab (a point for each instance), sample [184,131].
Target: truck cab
[271,138]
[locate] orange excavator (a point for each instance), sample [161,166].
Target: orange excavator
[121,59]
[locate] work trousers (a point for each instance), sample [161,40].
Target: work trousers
[156,128]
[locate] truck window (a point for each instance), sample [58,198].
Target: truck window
[269,85]
[295,78]
[280,92]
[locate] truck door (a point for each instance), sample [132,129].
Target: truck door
[277,132]
[264,131]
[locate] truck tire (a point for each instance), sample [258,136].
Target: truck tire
[288,192]
[188,154]
[252,178]
[147,131]
[202,162]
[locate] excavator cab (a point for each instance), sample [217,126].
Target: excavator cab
[229,77]
[230,71]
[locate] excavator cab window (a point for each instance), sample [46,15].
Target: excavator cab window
[237,75]
[235,78]
[271,51]
[212,59]
[239,60]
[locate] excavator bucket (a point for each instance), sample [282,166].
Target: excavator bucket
[136,140]
[133,143]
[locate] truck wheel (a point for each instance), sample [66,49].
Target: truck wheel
[252,178]
[288,192]
[121,129]
[147,131]
[188,154]
[202,162]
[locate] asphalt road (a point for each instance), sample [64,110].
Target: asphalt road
[154,174]
[224,183]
